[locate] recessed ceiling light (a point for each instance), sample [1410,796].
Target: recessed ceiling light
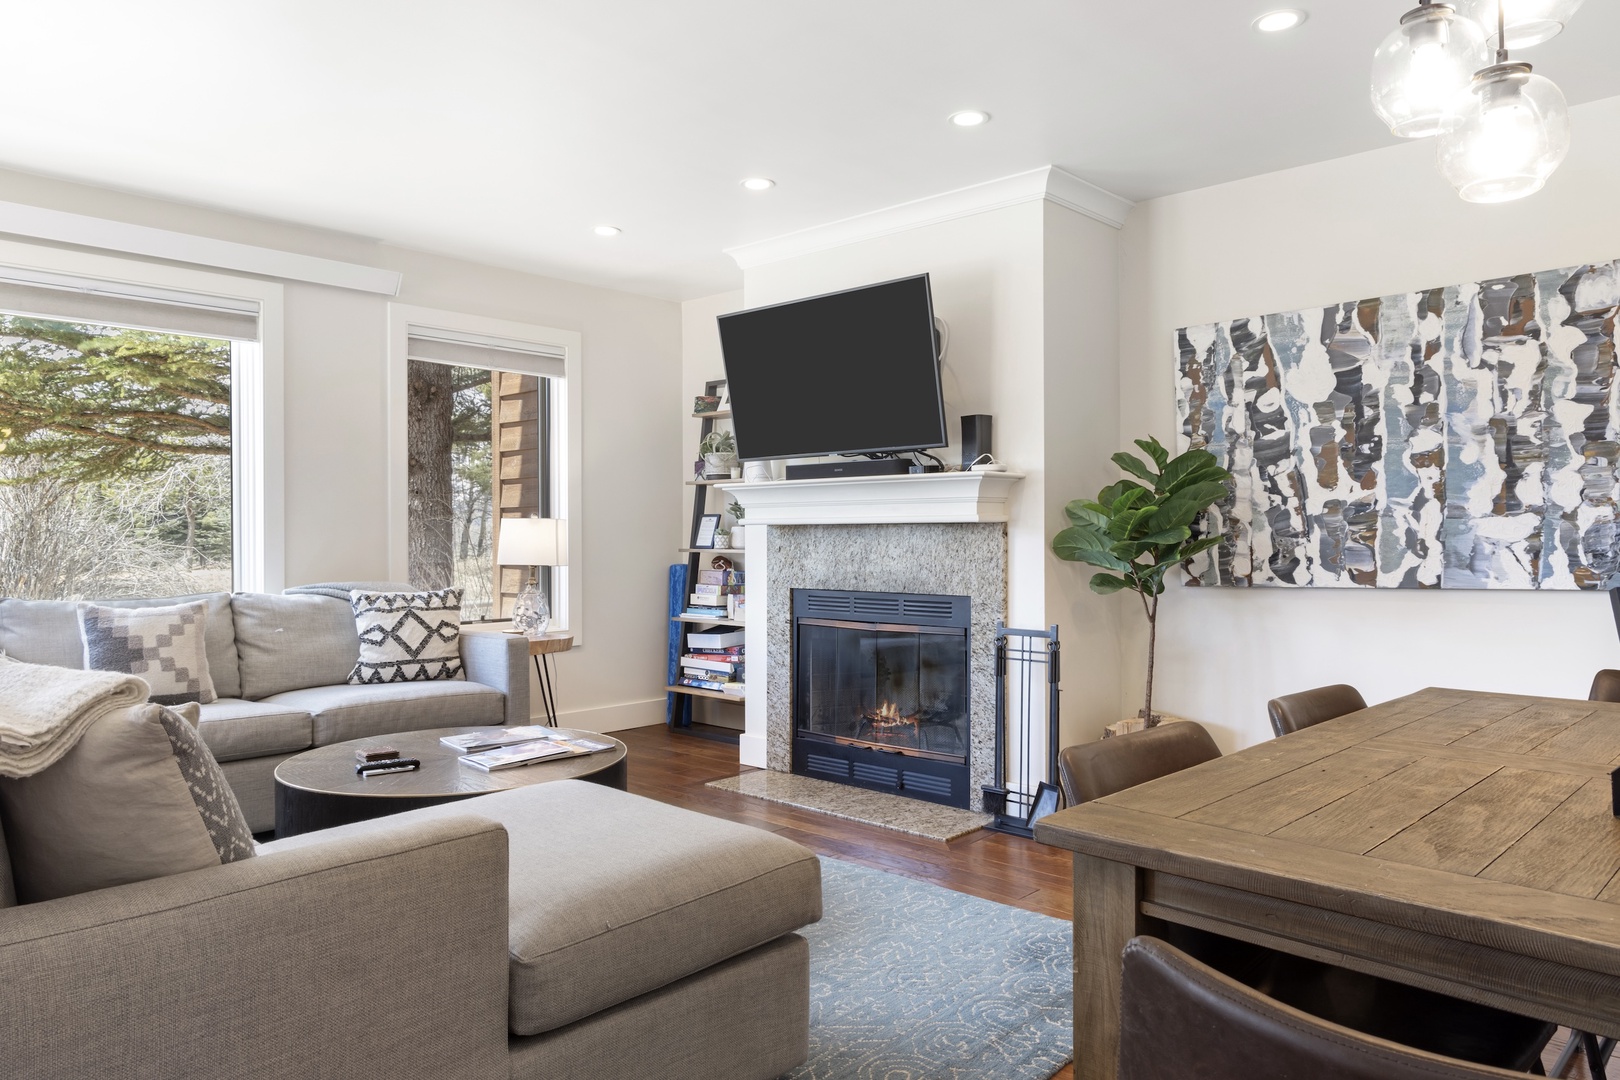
[607,230]
[1275,22]
[758,183]
[970,118]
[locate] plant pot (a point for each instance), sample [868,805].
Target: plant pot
[739,535]
[719,464]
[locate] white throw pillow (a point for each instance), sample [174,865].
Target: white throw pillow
[165,647]
[407,636]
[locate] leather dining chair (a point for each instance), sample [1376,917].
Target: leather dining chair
[1291,712]
[1428,1021]
[1180,1019]
[1606,686]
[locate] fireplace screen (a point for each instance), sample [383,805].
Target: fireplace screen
[887,686]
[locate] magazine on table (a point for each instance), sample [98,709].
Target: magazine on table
[546,748]
[472,742]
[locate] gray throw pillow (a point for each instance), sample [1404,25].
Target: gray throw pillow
[138,797]
[163,646]
[407,636]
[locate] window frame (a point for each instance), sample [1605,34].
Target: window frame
[258,487]
[566,456]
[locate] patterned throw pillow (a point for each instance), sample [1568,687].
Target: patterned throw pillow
[163,646]
[407,636]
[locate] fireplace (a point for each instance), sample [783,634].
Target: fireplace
[881,692]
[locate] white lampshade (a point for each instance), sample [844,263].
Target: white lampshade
[1527,22]
[1422,67]
[1512,131]
[533,542]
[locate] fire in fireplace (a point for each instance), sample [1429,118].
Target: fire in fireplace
[881,691]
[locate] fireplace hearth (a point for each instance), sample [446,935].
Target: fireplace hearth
[881,692]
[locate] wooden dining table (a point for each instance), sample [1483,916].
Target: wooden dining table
[1455,840]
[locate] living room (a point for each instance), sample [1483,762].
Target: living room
[566,188]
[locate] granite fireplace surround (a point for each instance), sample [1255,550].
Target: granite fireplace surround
[955,559]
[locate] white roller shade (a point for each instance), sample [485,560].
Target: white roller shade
[474,350]
[64,297]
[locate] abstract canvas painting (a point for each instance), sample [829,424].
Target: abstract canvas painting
[1460,438]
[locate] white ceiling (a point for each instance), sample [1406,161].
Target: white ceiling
[503,130]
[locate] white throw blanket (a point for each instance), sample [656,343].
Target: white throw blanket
[44,710]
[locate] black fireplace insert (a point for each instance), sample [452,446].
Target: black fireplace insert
[881,691]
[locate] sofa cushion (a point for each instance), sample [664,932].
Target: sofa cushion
[614,895]
[341,713]
[292,642]
[407,636]
[162,646]
[47,632]
[235,729]
[137,797]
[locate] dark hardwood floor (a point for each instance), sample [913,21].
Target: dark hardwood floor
[674,768]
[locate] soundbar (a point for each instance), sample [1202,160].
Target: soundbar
[821,470]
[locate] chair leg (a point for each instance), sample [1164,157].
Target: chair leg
[1597,1054]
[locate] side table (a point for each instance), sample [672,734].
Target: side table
[541,649]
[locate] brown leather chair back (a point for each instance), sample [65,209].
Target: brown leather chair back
[1180,1020]
[1606,687]
[1092,770]
[1291,712]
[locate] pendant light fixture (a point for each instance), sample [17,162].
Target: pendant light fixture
[1423,66]
[1525,22]
[1511,130]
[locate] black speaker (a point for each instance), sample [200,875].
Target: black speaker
[976,440]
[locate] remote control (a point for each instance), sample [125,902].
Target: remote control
[375,768]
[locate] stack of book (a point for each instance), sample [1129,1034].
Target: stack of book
[718,594]
[714,662]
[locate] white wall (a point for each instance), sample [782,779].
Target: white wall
[1363,226]
[336,432]
[701,361]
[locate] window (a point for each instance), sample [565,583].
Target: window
[484,436]
[120,458]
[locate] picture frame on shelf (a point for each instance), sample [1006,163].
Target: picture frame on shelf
[708,527]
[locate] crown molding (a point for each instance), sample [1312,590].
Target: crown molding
[1048,182]
[59,226]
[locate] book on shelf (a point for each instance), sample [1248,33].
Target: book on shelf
[736,607]
[472,742]
[733,653]
[733,581]
[549,748]
[707,590]
[706,612]
[711,577]
[718,686]
[701,663]
[717,640]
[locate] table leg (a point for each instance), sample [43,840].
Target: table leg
[1107,898]
[542,669]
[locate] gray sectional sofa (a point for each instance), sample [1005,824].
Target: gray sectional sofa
[279,662]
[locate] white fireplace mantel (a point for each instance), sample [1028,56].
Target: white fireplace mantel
[960,497]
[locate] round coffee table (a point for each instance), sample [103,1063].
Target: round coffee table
[319,788]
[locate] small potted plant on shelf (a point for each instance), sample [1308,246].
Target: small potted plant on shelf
[738,533]
[719,451]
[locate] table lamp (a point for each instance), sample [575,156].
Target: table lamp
[532,542]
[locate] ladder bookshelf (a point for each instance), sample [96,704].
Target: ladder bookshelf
[706,499]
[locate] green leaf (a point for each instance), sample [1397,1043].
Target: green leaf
[1180,509]
[1104,584]
[1076,545]
[1110,494]
[1128,499]
[1133,465]
[1179,472]
[1166,537]
[1084,512]
[1198,547]
[1153,449]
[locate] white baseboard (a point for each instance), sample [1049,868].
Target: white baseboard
[604,718]
[751,751]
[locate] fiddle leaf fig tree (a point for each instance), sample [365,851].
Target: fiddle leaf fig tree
[1135,530]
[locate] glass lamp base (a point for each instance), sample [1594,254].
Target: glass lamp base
[530,613]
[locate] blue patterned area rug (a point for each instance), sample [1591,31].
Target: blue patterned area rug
[909,981]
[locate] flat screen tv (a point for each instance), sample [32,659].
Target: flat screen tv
[854,372]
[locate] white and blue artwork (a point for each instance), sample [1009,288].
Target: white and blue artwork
[1458,438]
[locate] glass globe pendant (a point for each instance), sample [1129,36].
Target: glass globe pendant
[1511,132]
[1525,22]
[1421,68]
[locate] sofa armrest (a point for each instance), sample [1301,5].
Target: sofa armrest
[502,661]
[383,954]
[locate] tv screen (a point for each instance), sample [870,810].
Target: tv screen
[851,372]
